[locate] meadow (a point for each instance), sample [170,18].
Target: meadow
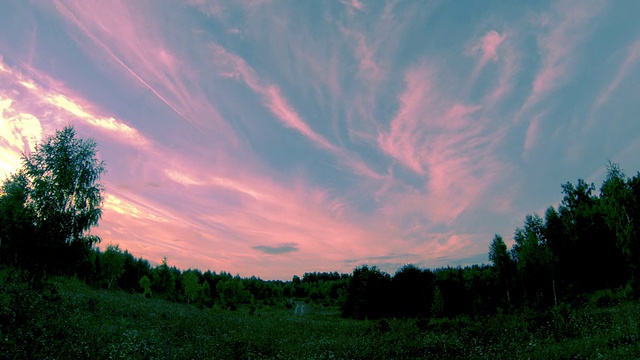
[63,318]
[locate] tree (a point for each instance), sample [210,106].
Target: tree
[368,293]
[112,264]
[190,284]
[64,172]
[57,196]
[437,305]
[16,220]
[591,240]
[164,280]
[621,214]
[232,292]
[502,262]
[534,258]
[145,284]
[413,291]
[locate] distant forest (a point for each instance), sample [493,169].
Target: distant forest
[590,242]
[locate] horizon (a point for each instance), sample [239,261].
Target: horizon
[272,139]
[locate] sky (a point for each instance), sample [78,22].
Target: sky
[274,138]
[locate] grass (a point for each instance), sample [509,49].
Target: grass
[69,320]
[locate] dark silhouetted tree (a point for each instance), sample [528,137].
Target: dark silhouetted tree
[112,263]
[412,291]
[534,261]
[368,294]
[502,263]
[17,230]
[621,212]
[591,241]
[61,193]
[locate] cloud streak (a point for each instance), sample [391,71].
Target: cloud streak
[565,28]
[282,248]
[238,134]
[633,55]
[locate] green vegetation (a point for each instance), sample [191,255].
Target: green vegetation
[569,287]
[67,319]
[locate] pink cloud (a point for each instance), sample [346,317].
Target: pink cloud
[365,54]
[532,134]
[488,49]
[146,213]
[353,4]
[567,27]
[508,69]
[234,66]
[251,209]
[139,48]
[633,55]
[287,115]
[442,141]
[401,140]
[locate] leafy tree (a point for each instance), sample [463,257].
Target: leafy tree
[145,284]
[112,264]
[205,292]
[16,221]
[368,293]
[590,240]
[60,181]
[412,291]
[232,292]
[621,215]
[131,274]
[60,195]
[502,262]
[164,280]
[437,306]
[534,259]
[64,172]
[483,291]
[453,289]
[190,284]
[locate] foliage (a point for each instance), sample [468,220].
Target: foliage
[190,285]
[568,277]
[66,319]
[233,293]
[145,284]
[55,198]
[503,264]
[112,264]
[367,293]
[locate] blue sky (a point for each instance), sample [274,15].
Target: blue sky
[273,138]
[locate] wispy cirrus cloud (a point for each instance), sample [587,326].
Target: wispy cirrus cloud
[140,49]
[234,66]
[632,57]
[251,208]
[356,130]
[445,142]
[565,28]
[508,68]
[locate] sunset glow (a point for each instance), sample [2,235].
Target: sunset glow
[273,138]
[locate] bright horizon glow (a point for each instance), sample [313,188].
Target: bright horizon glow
[272,139]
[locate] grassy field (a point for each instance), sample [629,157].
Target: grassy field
[66,319]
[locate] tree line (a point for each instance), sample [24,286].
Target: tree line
[590,242]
